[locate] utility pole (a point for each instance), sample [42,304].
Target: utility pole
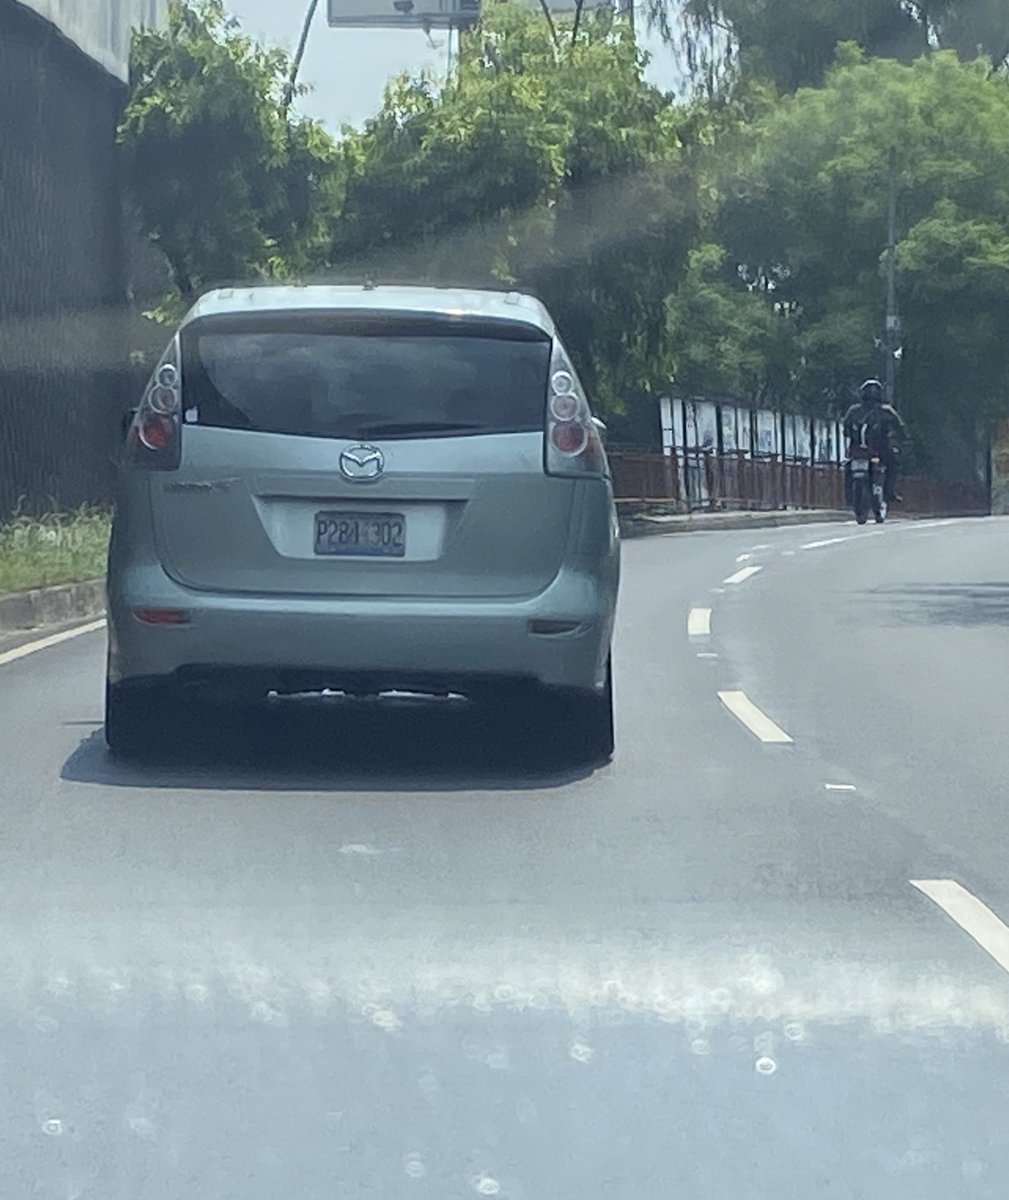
[292,83]
[892,317]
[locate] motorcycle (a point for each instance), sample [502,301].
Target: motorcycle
[867,481]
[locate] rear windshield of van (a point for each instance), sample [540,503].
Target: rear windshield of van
[365,378]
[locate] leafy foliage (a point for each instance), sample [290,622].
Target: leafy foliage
[546,163]
[795,41]
[735,243]
[803,222]
[224,183]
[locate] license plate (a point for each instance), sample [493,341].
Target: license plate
[860,466]
[376,535]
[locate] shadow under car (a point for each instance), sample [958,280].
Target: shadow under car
[332,744]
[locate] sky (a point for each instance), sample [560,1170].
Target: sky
[347,69]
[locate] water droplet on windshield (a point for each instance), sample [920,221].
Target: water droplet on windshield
[41,1022]
[485,1185]
[700,1046]
[765,1065]
[387,1020]
[267,1014]
[721,999]
[973,1168]
[142,1127]
[580,1052]
[763,1043]
[472,1047]
[58,985]
[413,1164]
[53,1127]
[795,1031]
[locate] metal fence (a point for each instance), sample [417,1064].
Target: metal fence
[63,271]
[699,480]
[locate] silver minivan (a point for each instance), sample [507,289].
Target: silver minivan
[363,491]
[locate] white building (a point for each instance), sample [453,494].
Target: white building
[102,28]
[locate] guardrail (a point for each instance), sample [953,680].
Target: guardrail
[700,480]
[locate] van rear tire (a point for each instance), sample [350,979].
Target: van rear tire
[137,718]
[584,722]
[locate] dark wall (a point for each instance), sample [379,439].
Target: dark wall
[63,269]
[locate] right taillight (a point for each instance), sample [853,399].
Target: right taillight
[573,444]
[154,439]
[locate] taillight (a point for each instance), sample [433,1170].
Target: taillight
[573,443]
[154,439]
[162,616]
[569,438]
[155,432]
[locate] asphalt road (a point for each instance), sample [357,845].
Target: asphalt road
[410,954]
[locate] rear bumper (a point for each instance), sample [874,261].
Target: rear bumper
[335,641]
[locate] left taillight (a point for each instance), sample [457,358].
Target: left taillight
[154,438]
[573,444]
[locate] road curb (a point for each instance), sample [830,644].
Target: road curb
[649,524]
[52,606]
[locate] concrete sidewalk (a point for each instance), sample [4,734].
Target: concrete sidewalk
[43,607]
[639,519]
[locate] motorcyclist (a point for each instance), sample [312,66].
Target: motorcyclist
[876,426]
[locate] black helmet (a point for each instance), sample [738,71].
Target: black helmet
[871,392]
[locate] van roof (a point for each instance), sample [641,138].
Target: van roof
[508,306]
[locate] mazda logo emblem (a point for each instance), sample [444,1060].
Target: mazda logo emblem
[362,463]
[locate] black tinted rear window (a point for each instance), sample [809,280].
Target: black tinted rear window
[366,378]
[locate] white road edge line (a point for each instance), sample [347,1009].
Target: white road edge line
[758,723]
[743,575]
[973,916]
[840,787]
[826,542]
[54,639]
[699,622]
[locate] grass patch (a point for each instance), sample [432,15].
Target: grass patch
[57,548]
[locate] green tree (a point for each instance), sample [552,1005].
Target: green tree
[547,162]
[794,41]
[225,184]
[804,219]
[728,340]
